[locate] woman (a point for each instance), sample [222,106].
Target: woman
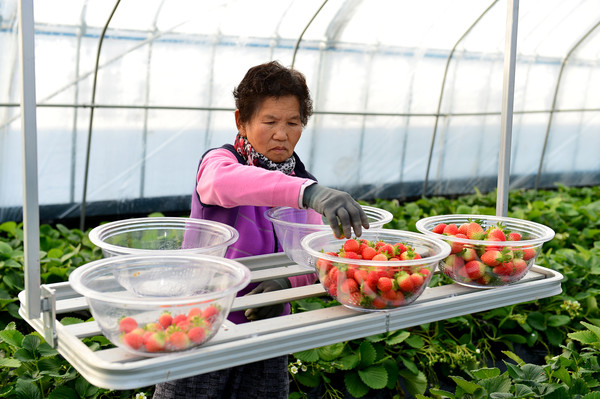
[235,185]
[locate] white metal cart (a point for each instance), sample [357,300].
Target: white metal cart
[239,344]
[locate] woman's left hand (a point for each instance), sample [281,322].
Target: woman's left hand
[266,312]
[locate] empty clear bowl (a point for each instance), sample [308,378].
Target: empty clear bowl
[170,302]
[164,234]
[292,225]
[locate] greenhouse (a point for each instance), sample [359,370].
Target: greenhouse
[407,96]
[466,132]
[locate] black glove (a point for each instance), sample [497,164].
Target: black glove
[267,312]
[338,207]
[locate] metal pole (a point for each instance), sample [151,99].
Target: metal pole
[31,211]
[510,56]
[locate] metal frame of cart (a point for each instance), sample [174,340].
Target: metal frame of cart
[239,344]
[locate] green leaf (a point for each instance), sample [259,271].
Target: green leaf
[415,341]
[484,373]
[592,328]
[45,350]
[592,395]
[331,352]
[533,372]
[410,365]
[308,356]
[11,337]
[415,383]
[554,336]
[24,355]
[31,342]
[63,392]
[367,354]
[354,385]
[27,390]
[536,320]
[516,338]
[397,337]
[9,362]
[66,321]
[81,386]
[499,383]
[513,357]
[393,372]
[558,320]
[348,362]
[467,386]
[308,379]
[5,248]
[441,393]
[585,337]
[375,377]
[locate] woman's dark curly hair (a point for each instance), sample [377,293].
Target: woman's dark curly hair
[271,80]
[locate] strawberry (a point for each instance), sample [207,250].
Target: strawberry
[368,252]
[349,286]
[361,276]
[417,280]
[384,284]
[475,231]
[399,299]
[350,255]
[354,299]
[404,282]
[456,247]
[153,327]
[134,339]
[520,266]
[179,340]
[399,248]
[439,228]
[475,269]
[127,324]
[155,342]
[380,257]
[409,254]
[351,245]
[194,312]
[379,303]
[528,253]
[196,334]
[450,230]
[179,318]
[425,272]
[514,236]
[323,266]
[462,229]
[332,289]
[165,319]
[454,262]
[496,234]
[468,254]
[492,258]
[333,275]
[387,250]
[504,269]
[210,313]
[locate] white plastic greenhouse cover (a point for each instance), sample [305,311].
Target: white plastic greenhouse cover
[408,95]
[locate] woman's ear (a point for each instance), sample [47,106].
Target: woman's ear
[239,124]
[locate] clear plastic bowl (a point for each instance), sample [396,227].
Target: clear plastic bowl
[164,235]
[508,265]
[189,295]
[374,285]
[292,225]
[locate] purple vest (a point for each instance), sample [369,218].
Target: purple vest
[256,233]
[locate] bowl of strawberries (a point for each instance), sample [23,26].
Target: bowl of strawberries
[487,251]
[169,303]
[382,269]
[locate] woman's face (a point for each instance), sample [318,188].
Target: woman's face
[275,129]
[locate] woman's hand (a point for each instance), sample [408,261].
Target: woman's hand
[267,312]
[338,207]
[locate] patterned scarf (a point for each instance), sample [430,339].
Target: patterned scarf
[245,149]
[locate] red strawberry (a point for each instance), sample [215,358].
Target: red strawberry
[194,312]
[409,254]
[462,229]
[179,318]
[456,247]
[361,276]
[399,299]
[196,334]
[384,284]
[380,257]
[179,340]
[155,342]
[454,262]
[354,299]
[439,228]
[417,280]
[333,275]
[475,231]
[134,339]
[492,258]
[496,234]
[323,266]
[350,255]
[425,272]
[504,269]
[450,230]
[404,282]
[389,295]
[127,324]
[165,319]
[528,253]
[332,289]
[520,266]
[379,303]
[379,244]
[210,313]
[349,286]
[387,250]
[399,248]
[514,236]
[475,269]
[368,252]
[351,245]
